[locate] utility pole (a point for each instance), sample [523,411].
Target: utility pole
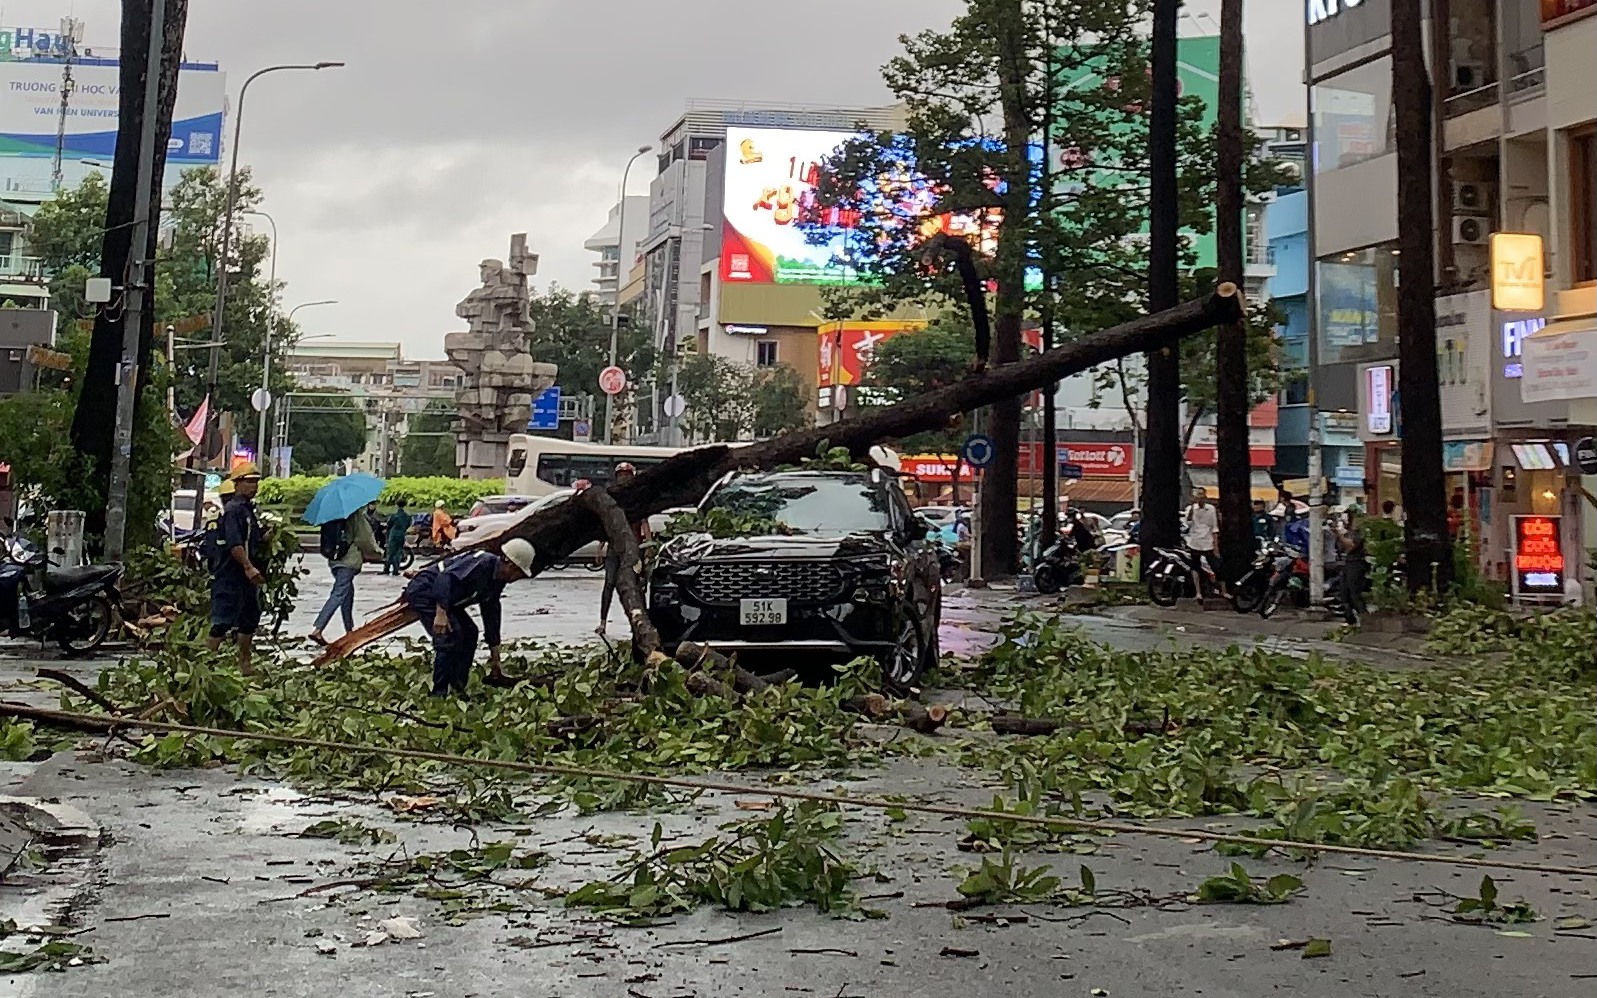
[1162,457]
[623,267]
[1233,465]
[1050,395]
[138,281]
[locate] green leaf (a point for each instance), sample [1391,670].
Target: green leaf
[1317,948]
[1089,883]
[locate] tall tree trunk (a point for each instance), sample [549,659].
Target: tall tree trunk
[1430,555]
[94,420]
[1000,546]
[1162,457]
[1234,471]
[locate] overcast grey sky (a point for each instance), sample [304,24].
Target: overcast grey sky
[455,124]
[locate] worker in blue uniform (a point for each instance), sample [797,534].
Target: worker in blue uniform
[439,596]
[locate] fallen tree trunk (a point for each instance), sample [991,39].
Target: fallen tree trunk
[629,573]
[557,531]
[1015,724]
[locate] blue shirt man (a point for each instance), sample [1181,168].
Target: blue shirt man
[439,596]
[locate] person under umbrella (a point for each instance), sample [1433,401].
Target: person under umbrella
[342,509]
[439,596]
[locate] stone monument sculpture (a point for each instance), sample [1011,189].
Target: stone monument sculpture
[501,378]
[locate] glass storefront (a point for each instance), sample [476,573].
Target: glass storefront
[1353,119]
[1358,304]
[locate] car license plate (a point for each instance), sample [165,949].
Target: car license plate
[762,611]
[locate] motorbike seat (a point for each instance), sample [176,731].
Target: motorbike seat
[60,580]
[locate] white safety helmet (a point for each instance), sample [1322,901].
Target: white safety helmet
[520,554]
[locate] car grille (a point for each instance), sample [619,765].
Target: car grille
[799,581]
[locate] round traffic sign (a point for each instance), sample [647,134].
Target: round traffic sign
[1586,455]
[612,380]
[978,451]
[675,406]
[260,400]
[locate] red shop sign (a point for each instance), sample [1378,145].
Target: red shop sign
[1538,556]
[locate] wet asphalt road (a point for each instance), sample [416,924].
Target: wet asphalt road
[188,889]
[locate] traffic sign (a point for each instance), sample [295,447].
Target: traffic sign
[546,410]
[978,451]
[1586,455]
[612,380]
[675,406]
[582,431]
[260,400]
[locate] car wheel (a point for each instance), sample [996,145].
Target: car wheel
[903,666]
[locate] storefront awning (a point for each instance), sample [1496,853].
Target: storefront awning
[1261,485]
[1560,361]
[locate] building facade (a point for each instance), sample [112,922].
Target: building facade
[617,248]
[1516,95]
[387,388]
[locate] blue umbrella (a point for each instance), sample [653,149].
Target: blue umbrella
[342,496]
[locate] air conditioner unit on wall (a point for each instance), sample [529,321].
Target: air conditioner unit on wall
[1471,232]
[1473,197]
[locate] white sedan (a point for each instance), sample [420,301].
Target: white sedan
[587,554]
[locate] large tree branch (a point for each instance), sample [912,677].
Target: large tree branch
[557,531]
[645,639]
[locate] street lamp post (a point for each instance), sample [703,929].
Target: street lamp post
[615,309]
[266,364]
[227,214]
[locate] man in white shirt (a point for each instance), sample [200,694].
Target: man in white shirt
[1203,534]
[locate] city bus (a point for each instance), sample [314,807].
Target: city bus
[540,466]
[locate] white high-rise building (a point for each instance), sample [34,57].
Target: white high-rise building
[618,249]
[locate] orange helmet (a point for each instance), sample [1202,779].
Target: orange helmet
[626,467]
[581,483]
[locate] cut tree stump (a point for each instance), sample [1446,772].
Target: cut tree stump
[557,531]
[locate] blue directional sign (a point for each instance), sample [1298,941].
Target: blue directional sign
[978,451]
[1074,471]
[546,410]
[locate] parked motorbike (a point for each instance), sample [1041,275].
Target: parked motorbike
[75,607]
[948,561]
[1290,581]
[1058,567]
[1248,591]
[1174,574]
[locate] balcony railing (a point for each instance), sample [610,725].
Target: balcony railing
[16,265]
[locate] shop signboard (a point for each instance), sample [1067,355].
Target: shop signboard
[1538,557]
[1559,365]
[1378,400]
[1518,272]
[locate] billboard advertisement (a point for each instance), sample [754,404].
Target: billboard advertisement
[31,111]
[846,349]
[771,212]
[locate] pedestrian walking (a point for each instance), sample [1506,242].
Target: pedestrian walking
[235,555]
[396,530]
[346,544]
[624,473]
[439,596]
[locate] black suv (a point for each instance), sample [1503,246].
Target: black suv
[853,573]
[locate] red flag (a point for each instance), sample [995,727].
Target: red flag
[195,430]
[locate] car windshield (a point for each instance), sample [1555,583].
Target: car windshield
[807,505]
